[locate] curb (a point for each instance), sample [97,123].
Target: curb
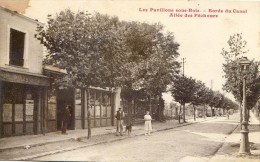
[45,143]
[224,141]
[108,141]
[32,145]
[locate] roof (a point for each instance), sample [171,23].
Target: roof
[54,69]
[20,15]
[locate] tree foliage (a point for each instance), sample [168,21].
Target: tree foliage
[183,89]
[75,42]
[102,51]
[234,74]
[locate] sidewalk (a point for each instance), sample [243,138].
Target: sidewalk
[229,150]
[37,140]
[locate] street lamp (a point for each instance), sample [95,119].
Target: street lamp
[244,143]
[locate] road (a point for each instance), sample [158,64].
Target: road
[196,142]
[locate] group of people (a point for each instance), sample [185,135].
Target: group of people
[119,121]
[119,124]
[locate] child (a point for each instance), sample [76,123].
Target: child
[147,123]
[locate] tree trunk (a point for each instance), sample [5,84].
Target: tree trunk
[204,111]
[160,108]
[194,112]
[176,111]
[134,115]
[129,111]
[179,115]
[150,105]
[184,121]
[248,114]
[211,111]
[88,114]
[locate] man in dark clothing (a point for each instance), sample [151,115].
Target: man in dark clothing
[119,124]
[66,117]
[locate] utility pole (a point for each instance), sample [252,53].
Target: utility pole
[183,61]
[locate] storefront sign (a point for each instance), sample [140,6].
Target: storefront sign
[15,77]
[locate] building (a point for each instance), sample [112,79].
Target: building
[29,104]
[103,103]
[23,87]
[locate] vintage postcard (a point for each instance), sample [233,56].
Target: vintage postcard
[129,80]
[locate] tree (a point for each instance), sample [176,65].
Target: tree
[159,68]
[217,100]
[234,74]
[183,90]
[79,43]
[209,99]
[150,62]
[199,97]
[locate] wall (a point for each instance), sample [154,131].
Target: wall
[33,51]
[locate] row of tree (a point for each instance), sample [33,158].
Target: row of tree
[102,51]
[189,90]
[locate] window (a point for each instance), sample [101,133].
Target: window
[16,47]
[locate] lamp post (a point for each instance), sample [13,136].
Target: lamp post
[244,143]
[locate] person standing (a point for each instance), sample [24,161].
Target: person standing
[119,124]
[65,119]
[147,123]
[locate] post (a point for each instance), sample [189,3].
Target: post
[204,111]
[88,113]
[83,107]
[45,107]
[179,114]
[150,104]
[244,144]
[241,117]
[194,113]
[184,121]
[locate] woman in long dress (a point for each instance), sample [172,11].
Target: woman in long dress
[147,123]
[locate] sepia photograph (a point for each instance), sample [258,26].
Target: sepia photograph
[130,80]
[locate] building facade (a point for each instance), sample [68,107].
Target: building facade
[103,104]
[23,88]
[29,104]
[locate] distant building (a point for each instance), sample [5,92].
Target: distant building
[23,87]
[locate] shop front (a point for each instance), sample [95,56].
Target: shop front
[101,105]
[22,103]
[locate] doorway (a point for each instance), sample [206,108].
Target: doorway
[65,97]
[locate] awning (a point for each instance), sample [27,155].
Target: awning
[14,76]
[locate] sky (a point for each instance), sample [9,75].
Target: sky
[201,39]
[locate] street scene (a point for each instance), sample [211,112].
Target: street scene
[213,139]
[196,142]
[116,80]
